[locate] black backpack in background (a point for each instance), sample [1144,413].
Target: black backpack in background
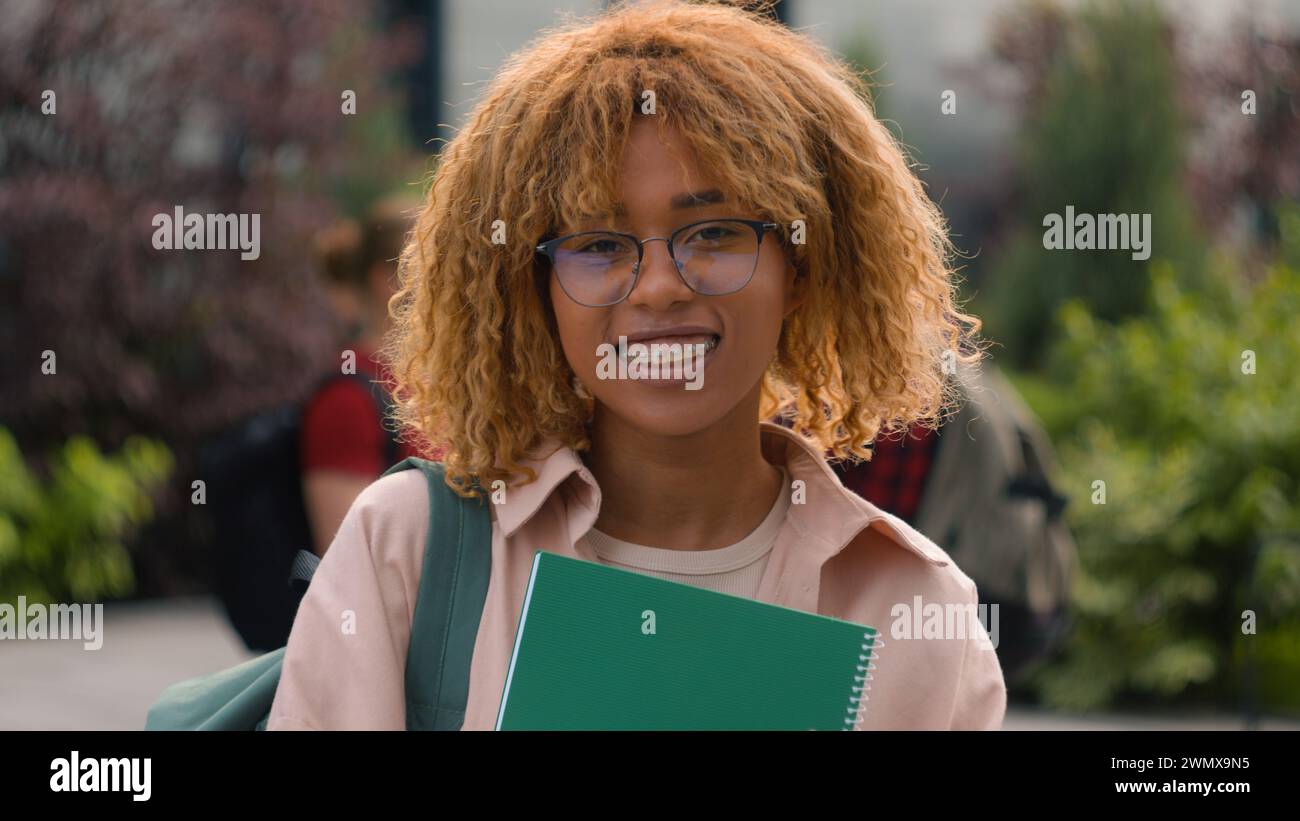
[254,495]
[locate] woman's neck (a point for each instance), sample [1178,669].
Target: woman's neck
[703,491]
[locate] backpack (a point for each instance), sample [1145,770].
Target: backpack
[990,503]
[453,587]
[254,481]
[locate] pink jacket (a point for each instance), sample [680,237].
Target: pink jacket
[836,554]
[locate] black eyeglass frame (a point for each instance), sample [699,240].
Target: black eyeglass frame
[760,227]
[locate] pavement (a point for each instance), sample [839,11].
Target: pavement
[59,685]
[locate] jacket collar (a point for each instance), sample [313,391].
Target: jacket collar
[828,517]
[832,513]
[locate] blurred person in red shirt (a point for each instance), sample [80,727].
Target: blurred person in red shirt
[345,442]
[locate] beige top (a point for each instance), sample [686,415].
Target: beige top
[736,569]
[834,554]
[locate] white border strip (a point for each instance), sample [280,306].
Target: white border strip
[519,638]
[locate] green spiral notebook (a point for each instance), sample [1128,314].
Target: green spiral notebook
[600,648]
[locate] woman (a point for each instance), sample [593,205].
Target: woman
[761,216]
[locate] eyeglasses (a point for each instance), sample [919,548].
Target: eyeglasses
[714,258]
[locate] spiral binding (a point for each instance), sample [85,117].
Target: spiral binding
[870,644]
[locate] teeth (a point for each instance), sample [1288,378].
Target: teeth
[663,353]
[670,355]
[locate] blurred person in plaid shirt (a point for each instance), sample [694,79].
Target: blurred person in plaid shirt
[895,477]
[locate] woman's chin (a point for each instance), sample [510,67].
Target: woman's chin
[665,417]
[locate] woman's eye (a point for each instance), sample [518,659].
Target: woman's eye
[602,246]
[711,233]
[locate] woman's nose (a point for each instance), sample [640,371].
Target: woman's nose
[659,285]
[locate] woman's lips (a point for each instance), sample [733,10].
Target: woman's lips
[670,333]
[693,339]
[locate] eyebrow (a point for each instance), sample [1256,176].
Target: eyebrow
[696,199]
[691,199]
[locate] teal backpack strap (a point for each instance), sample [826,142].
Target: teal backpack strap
[453,588]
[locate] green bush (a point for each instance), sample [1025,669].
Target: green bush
[61,540]
[1201,513]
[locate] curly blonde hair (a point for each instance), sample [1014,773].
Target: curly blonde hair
[783,124]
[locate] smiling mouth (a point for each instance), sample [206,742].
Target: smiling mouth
[665,351]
